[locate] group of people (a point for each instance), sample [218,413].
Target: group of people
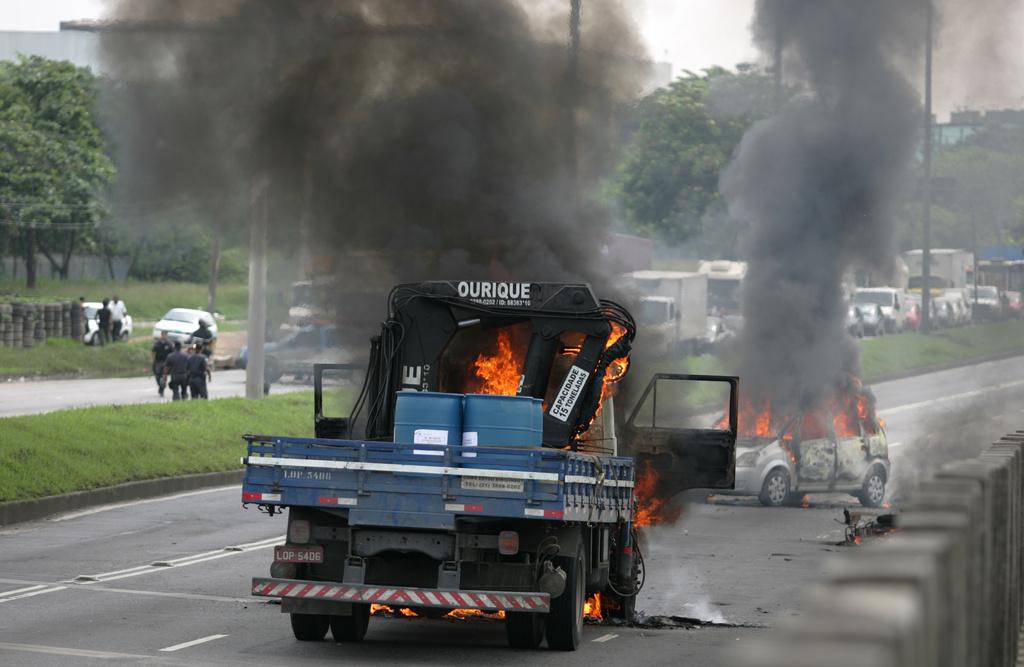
[185,371]
[110,319]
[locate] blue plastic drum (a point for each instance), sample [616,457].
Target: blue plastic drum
[501,421]
[428,418]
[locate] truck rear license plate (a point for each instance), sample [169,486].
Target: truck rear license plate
[491,484]
[285,554]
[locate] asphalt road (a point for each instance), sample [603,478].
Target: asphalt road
[83,588]
[34,397]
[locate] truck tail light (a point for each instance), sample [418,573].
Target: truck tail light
[508,543]
[299,531]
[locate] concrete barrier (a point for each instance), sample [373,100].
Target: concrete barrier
[945,589]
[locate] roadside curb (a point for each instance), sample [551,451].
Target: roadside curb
[961,363]
[19,511]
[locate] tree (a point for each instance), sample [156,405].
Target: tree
[53,162]
[685,135]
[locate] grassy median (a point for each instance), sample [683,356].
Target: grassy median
[146,301]
[63,356]
[75,450]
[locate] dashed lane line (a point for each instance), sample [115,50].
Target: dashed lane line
[173,563]
[604,638]
[22,590]
[194,642]
[115,506]
[22,596]
[71,652]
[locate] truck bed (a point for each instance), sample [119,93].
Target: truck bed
[430,486]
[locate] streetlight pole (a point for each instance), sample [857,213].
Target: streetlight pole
[926,195]
[255,369]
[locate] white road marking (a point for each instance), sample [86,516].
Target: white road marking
[945,399]
[73,652]
[194,642]
[22,590]
[174,563]
[33,593]
[895,444]
[165,594]
[604,638]
[107,508]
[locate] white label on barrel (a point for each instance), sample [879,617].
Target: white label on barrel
[570,392]
[429,436]
[469,439]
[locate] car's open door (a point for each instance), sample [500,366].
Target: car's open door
[685,426]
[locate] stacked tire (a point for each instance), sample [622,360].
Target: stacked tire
[77,320]
[17,323]
[65,319]
[28,329]
[6,325]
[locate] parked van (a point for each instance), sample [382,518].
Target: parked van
[889,299]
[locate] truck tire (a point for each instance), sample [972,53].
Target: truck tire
[523,629]
[351,628]
[565,621]
[310,627]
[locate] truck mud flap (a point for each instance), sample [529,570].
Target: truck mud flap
[402,597]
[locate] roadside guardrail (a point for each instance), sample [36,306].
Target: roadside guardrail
[944,589]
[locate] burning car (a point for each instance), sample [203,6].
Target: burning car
[838,448]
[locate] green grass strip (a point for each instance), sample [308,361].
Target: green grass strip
[76,450]
[63,356]
[145,300]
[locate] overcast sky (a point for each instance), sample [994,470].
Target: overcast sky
[715,31]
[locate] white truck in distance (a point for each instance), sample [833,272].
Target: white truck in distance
[673,306]
[949,268]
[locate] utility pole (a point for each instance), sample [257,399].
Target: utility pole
[256,330]
[926,195]
[572,90]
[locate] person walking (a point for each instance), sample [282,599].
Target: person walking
[162,349]
[176,370]
[117,313]
[103,322]
[198,372]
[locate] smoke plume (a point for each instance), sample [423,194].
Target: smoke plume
[412,139]
[818,183]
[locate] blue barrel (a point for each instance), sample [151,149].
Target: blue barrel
[501,421]
[428,418]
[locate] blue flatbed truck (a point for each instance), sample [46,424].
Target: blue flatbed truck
[527,531]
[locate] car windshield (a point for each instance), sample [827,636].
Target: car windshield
[987,292]
[182,315]
[878,298]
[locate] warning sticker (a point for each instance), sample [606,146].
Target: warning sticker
[570,392]
[492,484]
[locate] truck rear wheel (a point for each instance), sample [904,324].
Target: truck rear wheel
[523,629]
[351,628]
[565,621]
[310,627]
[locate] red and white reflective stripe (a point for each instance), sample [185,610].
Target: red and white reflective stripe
[249,497]
[547,514]
[337,500]
[401,596]
[463,508]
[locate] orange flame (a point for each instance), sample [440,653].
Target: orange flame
[592,608]
[378,609]
[499,372]
[463,614]
[651,510]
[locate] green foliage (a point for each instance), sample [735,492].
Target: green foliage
[685,136]
[75,450]
[53,161]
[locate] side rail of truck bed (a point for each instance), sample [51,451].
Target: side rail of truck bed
[429,486]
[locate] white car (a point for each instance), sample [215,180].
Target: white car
[889,299]
[181,323]
[92,325]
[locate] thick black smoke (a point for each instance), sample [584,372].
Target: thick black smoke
[421,139]
[819,183]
